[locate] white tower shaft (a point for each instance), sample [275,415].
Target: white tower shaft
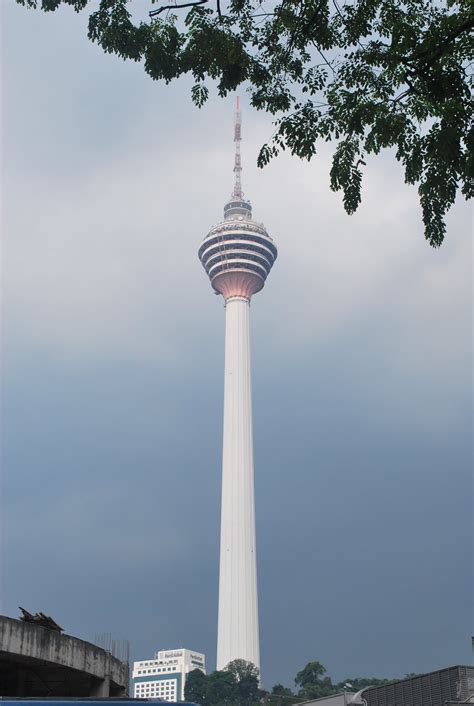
[238,608]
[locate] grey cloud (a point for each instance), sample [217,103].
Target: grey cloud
[113,364]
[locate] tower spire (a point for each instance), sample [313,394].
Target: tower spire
[237,193]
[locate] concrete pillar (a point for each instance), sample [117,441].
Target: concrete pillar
[102,688]
[238,609]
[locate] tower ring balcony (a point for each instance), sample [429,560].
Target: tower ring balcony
[237,256]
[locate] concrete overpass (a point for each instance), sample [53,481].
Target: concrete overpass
[37,661]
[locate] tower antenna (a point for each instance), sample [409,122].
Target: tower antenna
[237,193]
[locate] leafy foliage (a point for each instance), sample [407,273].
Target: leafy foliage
[196,687]
[281,696]
[241,669]
[312,682]
[237,685]
[370,74]
[358,684]
[280,690]
[222,688]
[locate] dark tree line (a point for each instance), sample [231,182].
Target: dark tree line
[238,685]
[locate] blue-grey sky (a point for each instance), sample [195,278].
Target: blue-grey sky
[113,372]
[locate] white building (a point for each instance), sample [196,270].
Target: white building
[164,676]
[237,255]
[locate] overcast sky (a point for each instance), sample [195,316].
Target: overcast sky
[113,378]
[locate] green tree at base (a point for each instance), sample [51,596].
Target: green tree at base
[281,696]
[241,669]
[358,684]
[195,687]
[222,689]
[238,685]
[312,682]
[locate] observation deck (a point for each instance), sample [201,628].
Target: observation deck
[237,253]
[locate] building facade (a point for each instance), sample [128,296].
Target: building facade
[237,255]
[454,685]
[164,676]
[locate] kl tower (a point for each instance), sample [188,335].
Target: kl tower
[237,255]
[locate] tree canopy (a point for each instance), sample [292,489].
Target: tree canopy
[357,683]
[312,682]
[241,669]
[236,685]
[367,74]
[195,688]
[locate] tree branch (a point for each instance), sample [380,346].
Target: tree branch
[439,51]
[154,13]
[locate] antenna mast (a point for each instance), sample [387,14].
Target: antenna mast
[237,193]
